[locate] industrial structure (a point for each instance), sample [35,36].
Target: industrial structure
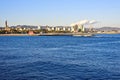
[45,29]
[77,28]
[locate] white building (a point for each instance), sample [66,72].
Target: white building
[77,28]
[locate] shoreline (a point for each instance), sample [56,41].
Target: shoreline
[57,34]
[14,35]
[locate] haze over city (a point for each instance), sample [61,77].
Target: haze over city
[59,12]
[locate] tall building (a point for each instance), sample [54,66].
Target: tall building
[6,26]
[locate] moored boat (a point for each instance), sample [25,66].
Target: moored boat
[83,35]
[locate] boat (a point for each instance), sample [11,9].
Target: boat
[83,35]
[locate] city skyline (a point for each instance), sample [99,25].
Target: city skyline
[59,12]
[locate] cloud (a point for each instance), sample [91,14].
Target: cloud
[83,22]
[92,22]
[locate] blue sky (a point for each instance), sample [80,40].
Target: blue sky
[59,12]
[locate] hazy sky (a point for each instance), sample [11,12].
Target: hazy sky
[59,12]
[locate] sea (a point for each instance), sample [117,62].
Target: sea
[60,57]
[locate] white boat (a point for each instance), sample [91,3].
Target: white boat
[83,35]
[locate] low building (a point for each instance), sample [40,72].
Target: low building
[31,32]
[2,28]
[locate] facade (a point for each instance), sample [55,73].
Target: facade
[77,28]
[31,32]
[81,28]
[56,28]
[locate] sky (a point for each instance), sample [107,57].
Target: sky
[59,12]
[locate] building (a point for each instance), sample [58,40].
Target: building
[6,26]
[81,28]
[77,28]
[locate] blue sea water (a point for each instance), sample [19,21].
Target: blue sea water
[60,57]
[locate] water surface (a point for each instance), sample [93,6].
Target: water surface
[60,57]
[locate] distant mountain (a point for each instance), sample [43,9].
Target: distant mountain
[107,28]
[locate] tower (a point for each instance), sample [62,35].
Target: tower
[6,26]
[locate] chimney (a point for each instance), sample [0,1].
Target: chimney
[6,24]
